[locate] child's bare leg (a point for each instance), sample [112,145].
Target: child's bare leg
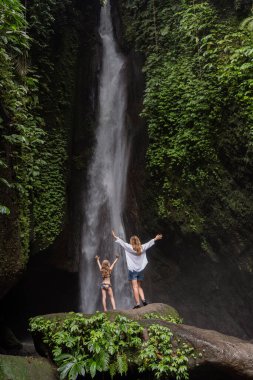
[136,291]
[141,292]
[104,299]
[110,292]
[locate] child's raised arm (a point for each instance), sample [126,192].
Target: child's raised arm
[115,261]
[98,262]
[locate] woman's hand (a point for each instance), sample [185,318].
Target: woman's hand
[96,257]
[113,234]
[158,237]
[117,257]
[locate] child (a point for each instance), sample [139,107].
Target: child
[136,262]
[106,287]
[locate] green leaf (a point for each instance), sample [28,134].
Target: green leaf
[93,369]
[5,182]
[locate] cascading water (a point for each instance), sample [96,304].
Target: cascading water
[107,177]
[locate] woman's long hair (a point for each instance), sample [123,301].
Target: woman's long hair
[105,269]
[136,244]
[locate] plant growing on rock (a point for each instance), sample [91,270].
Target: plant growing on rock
[198,109]
[164,356]
[20,123]
[82,345]
[168,318]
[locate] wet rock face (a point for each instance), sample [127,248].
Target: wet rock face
[9,344]
[206,294]
[43,289]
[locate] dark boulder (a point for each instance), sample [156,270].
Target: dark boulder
[219,356]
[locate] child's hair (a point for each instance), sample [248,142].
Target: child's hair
[136,244]
[105,269]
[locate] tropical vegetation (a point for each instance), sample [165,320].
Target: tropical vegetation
[86,346]
[198,106]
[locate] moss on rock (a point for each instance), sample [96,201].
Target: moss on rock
[26,368]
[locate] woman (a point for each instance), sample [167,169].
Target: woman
[136,262]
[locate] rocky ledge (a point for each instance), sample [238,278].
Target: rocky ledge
[220,357]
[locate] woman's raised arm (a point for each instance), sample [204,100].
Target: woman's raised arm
[150,243]
[158,237]
[123,244]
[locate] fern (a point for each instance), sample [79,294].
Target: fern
[122,365]
[112,370]
[247,24]
[93,368]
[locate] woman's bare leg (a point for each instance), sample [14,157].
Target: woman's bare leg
[136,291]
[141,292]
[110,292]
[104,299]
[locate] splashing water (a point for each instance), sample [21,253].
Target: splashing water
[106,178]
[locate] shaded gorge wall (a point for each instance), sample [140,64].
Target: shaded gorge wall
[204,264]
[65,53]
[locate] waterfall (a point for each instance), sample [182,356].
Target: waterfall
[106,178]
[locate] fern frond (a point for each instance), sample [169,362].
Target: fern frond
[247,23]
[122,365]
[112,370]
[103,361]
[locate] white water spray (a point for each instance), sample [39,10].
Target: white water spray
[106,178]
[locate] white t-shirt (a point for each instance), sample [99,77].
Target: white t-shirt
[135,262]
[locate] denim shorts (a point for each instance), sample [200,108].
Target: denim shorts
[133,275]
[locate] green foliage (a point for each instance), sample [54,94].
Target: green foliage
[247,23]
[51,21]
[162,358]
[85,346]
[89,345]
[198,105]
[20,122]
[49,192]
[36,90]
[71,366]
